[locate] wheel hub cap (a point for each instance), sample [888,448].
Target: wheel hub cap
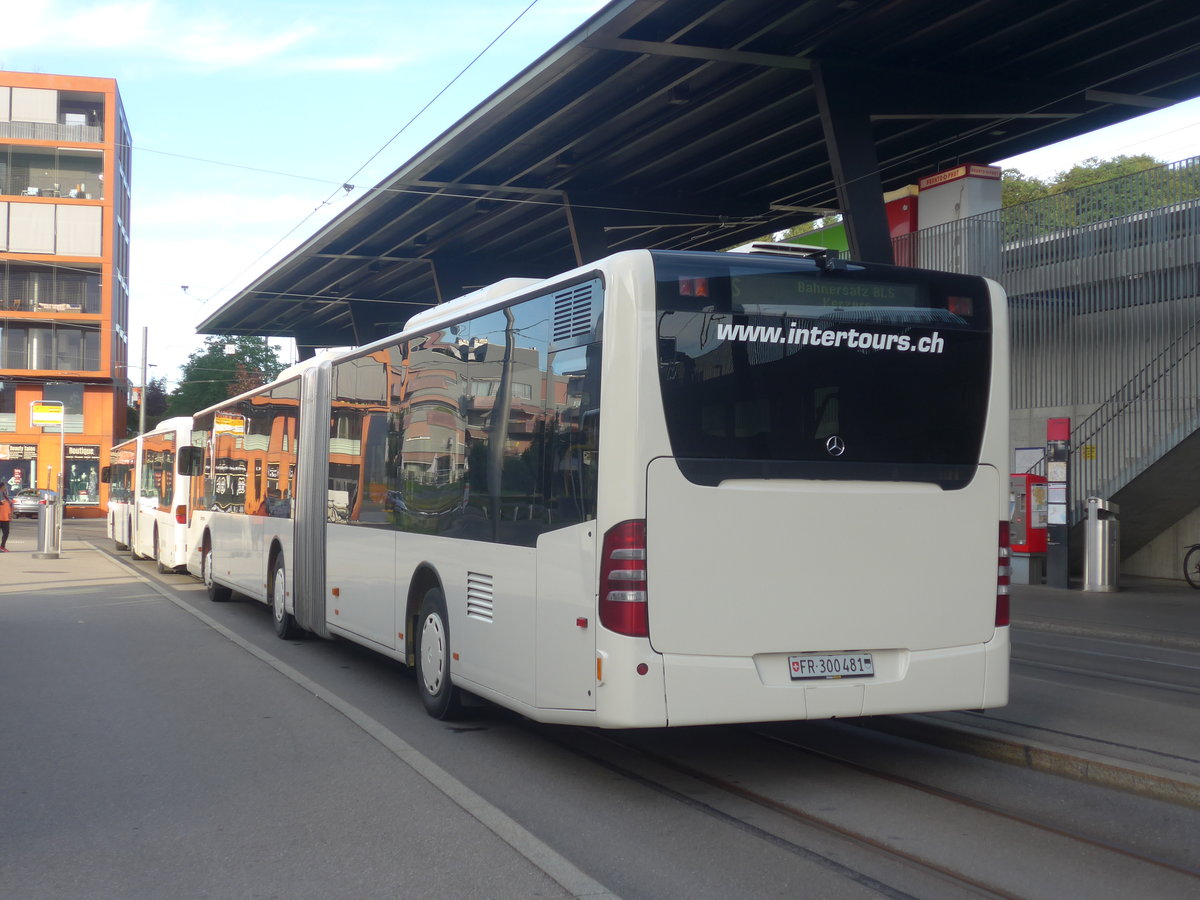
[433,653]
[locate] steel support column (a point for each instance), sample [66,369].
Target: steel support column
[843,99]
[587,233]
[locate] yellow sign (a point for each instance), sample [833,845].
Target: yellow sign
[227,424]
[1089,451]
[46,414]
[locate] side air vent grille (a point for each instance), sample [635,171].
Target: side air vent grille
[479,597]
[575,312]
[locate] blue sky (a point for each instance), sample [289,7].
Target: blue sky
[248,114]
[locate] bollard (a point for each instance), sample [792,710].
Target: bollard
[48,533]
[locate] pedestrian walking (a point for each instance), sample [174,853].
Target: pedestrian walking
[5,516]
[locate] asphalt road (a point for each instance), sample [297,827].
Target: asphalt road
[156,744]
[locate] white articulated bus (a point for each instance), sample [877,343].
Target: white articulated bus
[148,499]
[665,488]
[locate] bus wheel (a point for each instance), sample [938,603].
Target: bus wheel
[158,563]
[433,657]
[217,593]
[285,622]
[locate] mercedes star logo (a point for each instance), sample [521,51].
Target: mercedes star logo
[835,446]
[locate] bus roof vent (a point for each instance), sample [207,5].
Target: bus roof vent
[781,248]
[574,312]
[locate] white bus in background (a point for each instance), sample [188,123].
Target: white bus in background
[121,475]
[665,488]
[148,499]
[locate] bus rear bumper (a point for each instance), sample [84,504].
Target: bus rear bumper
[703,690]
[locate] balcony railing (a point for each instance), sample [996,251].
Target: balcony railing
[47,131]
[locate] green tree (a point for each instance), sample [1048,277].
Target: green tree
[1091,191]
[225,366]
[1016,187]
[1094,170]
[157,401]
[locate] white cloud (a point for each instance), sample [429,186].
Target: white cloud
[25,25]
[118,25]
[375,63]
[152,30]
[223,45]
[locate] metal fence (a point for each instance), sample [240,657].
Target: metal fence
[1104,292]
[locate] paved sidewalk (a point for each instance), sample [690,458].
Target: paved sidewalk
[144,755]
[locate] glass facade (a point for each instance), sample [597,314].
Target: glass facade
[75,174]
[49,347]
[28,287]
[82,483]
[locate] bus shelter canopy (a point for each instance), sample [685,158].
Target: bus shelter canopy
[702,124]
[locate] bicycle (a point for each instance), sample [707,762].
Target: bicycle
[1191,566]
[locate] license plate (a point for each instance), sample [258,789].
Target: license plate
[804,666]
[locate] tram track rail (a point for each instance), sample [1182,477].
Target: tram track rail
[694,785]
[670,787]
[1156,684]
[987,807]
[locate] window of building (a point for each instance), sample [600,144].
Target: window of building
[83,475]
[487,388]
[50,347]
[8,402]
[71,397]
[75,174]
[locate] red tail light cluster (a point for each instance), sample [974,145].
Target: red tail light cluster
[623,579]
[1003,578]
[181,514]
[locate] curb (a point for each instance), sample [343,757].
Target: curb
[1157,784]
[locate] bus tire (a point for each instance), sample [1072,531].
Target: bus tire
[217,593]
[285,622]
[158,563]
[116,542]
[433,657]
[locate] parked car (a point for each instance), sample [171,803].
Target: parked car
[27,500]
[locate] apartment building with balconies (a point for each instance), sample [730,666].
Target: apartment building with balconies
[64,280]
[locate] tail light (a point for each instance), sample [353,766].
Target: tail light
[181,514]
[1003,578]
[623,579]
